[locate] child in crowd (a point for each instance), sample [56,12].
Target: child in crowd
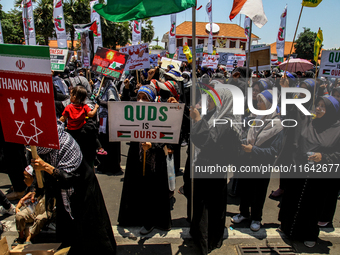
[76,112]
[32,212]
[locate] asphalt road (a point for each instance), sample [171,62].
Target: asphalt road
[178,241]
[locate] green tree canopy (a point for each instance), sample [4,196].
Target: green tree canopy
[304,46]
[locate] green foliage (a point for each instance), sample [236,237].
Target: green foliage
[304,46]
[156,47]
[75,12]
[115,34]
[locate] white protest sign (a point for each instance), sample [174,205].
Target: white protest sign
[58,59]
[169,61]
[330,64]
[211,61]
[139,56]
[199,51]
[145,122]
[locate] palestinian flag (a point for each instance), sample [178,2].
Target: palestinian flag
[85,27]
[326,71]
[124,134]
[166,135]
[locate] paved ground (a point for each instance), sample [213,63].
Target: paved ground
[178,240]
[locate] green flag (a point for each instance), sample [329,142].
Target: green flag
[123,10]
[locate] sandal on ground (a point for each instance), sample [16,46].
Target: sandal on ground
[101,151]
[181,190]
[17,241]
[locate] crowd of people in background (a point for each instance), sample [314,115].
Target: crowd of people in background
[70,180]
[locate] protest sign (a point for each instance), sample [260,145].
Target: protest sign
[139,56]
[109,63]
[169,61]
[86,48]
[153,60]
[59,58]
[145,122]
[211,61]
[223,60]
[199,51]
[330,64]
[26,96]
[181,56]
[260,58]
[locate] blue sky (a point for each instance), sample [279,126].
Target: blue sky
[326,16]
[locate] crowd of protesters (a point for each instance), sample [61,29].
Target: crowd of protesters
[82,103]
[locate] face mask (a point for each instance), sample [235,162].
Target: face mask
[185,81]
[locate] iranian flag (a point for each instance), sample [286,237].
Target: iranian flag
[136,32]
[28,21]
[280,40]
[252,8]
[59,24]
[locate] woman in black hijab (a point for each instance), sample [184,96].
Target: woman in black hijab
[303,196]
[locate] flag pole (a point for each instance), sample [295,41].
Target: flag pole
[248,57]
[26,26]
[193,103]
[291,48]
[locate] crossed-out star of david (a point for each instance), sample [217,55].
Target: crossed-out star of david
[28,138]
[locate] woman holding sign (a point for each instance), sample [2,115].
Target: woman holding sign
[145,197]
[79,201]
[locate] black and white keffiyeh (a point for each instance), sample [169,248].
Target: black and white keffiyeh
[68,159]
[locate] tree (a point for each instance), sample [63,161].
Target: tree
[76,12]
[147,30]
[157,47]
[43,18]
[115,34]
[156,40]
[304,46]
[12,27]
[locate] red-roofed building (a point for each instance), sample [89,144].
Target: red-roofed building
[226,37]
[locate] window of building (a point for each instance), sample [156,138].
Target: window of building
[243,45]
[200,41]
[214,42]
[232,44]
[189,42]
[179,42]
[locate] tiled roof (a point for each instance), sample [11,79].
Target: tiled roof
[54,44]
[226,30]
[288,45]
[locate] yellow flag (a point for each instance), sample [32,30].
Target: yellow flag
[187,52]
[311,3]
[317,45]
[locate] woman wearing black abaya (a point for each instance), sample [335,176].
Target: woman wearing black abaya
[214,145]
[145,199]
[299,207]
[80,205]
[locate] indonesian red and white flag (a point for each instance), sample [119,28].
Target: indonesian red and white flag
[252,8]
[28,20]
[59,24]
